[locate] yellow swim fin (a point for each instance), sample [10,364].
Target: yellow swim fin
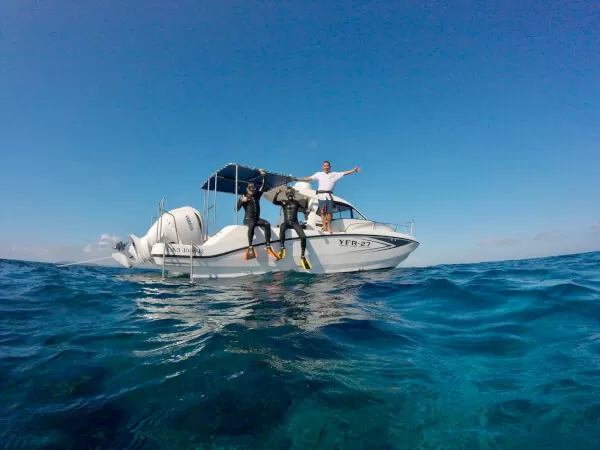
[305,263]
[281,253]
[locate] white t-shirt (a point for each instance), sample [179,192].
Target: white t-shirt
[327,181]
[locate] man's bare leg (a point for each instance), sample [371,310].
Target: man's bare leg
[327,222]
[323,219]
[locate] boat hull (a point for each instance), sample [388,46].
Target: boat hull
[223,255]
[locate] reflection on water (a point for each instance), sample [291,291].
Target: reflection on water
[197,311]
[298,310]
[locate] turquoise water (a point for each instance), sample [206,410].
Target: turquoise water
[502,355]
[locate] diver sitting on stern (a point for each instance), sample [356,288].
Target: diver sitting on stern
[290,208]
[250,201]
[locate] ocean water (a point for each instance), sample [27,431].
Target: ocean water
[482,356]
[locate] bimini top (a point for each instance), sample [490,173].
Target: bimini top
[225,179]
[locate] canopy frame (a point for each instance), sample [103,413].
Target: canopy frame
[233,179]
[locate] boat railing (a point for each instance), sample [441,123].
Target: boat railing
[406,228]
[160,232]
[161,205]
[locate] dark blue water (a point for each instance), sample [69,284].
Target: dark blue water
[502,355]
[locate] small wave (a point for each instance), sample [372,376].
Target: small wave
[367,333]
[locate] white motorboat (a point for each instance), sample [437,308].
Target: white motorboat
[179,240]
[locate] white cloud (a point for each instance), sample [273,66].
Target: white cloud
[542,244]
[106,240]
[499,241]
[103,247]
[550,236]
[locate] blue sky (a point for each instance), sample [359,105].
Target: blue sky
[478,120]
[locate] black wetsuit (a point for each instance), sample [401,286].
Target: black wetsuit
[290,219]
[252,214]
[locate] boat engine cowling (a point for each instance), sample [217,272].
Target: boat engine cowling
[178,226]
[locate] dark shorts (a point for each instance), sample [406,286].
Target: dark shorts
[327,204]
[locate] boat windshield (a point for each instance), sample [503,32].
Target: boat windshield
[344,211]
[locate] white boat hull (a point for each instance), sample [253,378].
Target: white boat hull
[223,256]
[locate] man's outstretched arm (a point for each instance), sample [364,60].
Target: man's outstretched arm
[349,172]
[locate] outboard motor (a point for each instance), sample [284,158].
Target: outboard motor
[179,226]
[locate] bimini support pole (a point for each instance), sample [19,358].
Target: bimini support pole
[206,209]
[236,195]
[215,205]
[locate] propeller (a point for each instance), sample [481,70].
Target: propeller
[120,246]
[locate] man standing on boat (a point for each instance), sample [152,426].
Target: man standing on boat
[327,180]
[250,201]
